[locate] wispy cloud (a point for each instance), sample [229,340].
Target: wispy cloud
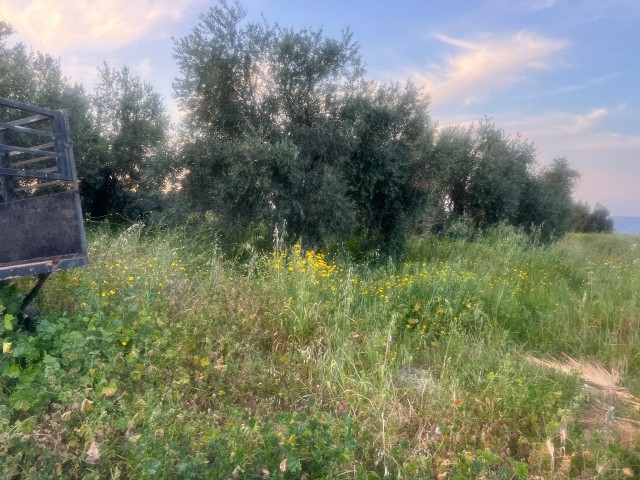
[593,82]
[536,4]
[558,124]
[599,9]
[551,124]
[79,70]
[57,26]
[521,5]
[143,68]
[479,68]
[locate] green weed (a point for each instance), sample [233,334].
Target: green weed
[165,359]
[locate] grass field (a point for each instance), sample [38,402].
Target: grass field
[165,359]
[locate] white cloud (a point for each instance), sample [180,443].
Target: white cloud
[538,4]
[80,71]
[553,128]
[555,132]
[598,9]
[482,67]
[58,26]
[521,5]
[561,124]
[143,68]
[593,82]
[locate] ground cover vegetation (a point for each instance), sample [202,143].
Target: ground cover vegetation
[352,292]
[164,359]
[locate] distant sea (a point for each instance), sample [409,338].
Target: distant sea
[628,225]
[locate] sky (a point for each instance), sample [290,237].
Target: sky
[562,73]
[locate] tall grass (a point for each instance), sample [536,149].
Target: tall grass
[164,359]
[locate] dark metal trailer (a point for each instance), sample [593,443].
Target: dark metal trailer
[41,227]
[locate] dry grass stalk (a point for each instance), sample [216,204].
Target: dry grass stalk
[594,374]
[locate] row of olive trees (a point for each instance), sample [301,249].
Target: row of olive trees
[288,129]
[487,177]
[283,128]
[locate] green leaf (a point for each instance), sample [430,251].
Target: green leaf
[47,328]
[21,400]
[521,469]
[293,462]
[26,426]
[26,349]
[12,372]
[8,321]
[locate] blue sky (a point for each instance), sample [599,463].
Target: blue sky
[563,73]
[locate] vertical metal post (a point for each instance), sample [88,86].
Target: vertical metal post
[60,144]
[7,182]
[26,321]
[70,169]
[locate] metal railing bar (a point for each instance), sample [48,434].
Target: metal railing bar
[36,151]
[32,160]
[32,131]
[26,120]
[40,185]
[14,172]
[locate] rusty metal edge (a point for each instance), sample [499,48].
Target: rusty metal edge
[44,266]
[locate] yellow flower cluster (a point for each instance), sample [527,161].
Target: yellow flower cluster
[113,277]
[309,262]
[431,324]
[395,284]
[517,281]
